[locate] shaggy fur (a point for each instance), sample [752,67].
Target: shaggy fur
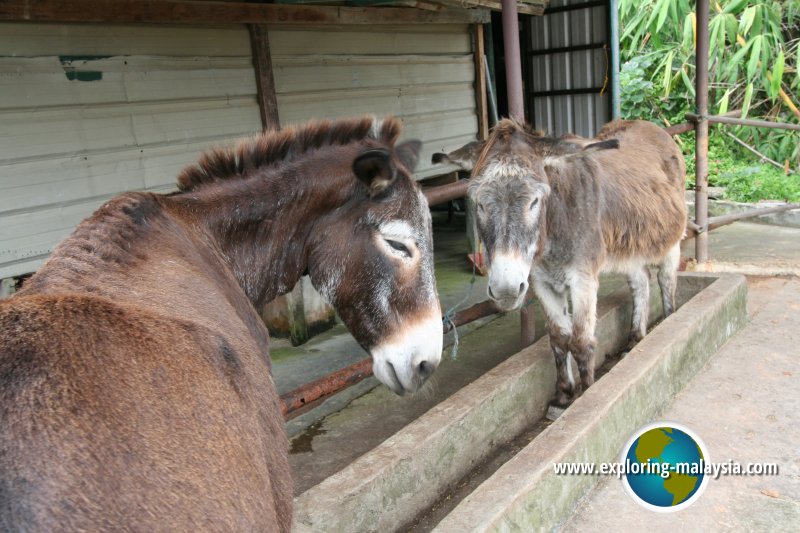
[135,386]
[571,207]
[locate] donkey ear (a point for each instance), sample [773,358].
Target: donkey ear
[558,160]
[375,170]
[465,157]
[610,144]
[408,153]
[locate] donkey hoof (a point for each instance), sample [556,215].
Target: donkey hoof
[632,342]
[562,400]
[554,411]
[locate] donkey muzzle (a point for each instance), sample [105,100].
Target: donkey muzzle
[508,280]
[406,360]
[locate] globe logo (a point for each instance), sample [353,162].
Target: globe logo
[664,465]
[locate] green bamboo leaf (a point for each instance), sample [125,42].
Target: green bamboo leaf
[735,6]
[746,21]
[656,9]
[777,69]
[755,56]
[756,27]
[723,102]
[733,65]
[674,14]
[748,96]
[687,82]
[662,14]
[731,27]
[688,32]
[713,34]
[667,73]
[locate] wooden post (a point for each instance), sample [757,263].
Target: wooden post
[265,81]
[7,287]
[480,81]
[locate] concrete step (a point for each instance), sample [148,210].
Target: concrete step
[389,486]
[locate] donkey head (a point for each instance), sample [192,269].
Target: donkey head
[373,260]
[511,189]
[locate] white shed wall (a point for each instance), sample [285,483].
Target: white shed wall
[158,96]
[154,96]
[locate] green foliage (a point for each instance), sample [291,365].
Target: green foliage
[759,182]
[753,56]
[745,178]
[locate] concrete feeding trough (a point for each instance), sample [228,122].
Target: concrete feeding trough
[417,468]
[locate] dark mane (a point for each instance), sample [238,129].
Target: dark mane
[283,146]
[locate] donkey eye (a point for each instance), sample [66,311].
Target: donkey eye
[399,246]
[534,202]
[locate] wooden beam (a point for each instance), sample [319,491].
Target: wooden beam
[495,5]
[480,82]
[265,81]
[211,12]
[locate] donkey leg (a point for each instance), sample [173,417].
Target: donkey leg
[559,326]
[583,293]
[668,278]
[639,282]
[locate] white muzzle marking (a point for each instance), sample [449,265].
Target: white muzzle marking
[407,359]
[508,280]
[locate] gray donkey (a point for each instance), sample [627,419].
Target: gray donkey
[560,211]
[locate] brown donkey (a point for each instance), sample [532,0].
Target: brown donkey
[135,386]
[560,211]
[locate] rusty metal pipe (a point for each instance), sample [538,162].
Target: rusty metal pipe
[446,193]
[724,220]
[516,102]
[325,386]
[701,132]
[685,127]
[722,119]
[693,229]
[471,314]
[350,375]
[677,129]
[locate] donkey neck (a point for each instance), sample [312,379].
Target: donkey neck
[261,224]
[251,232]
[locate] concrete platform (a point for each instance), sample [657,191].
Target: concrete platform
[387,486]
[353,423]
[745,405]
[751,249]
[526,495]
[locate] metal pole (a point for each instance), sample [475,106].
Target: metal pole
[613,22]
[735,121]
[516,110]
[446,193]
[516,105]
[701,133]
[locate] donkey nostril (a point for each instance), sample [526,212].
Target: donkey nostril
[425,369]
[521,287]
[491,293]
